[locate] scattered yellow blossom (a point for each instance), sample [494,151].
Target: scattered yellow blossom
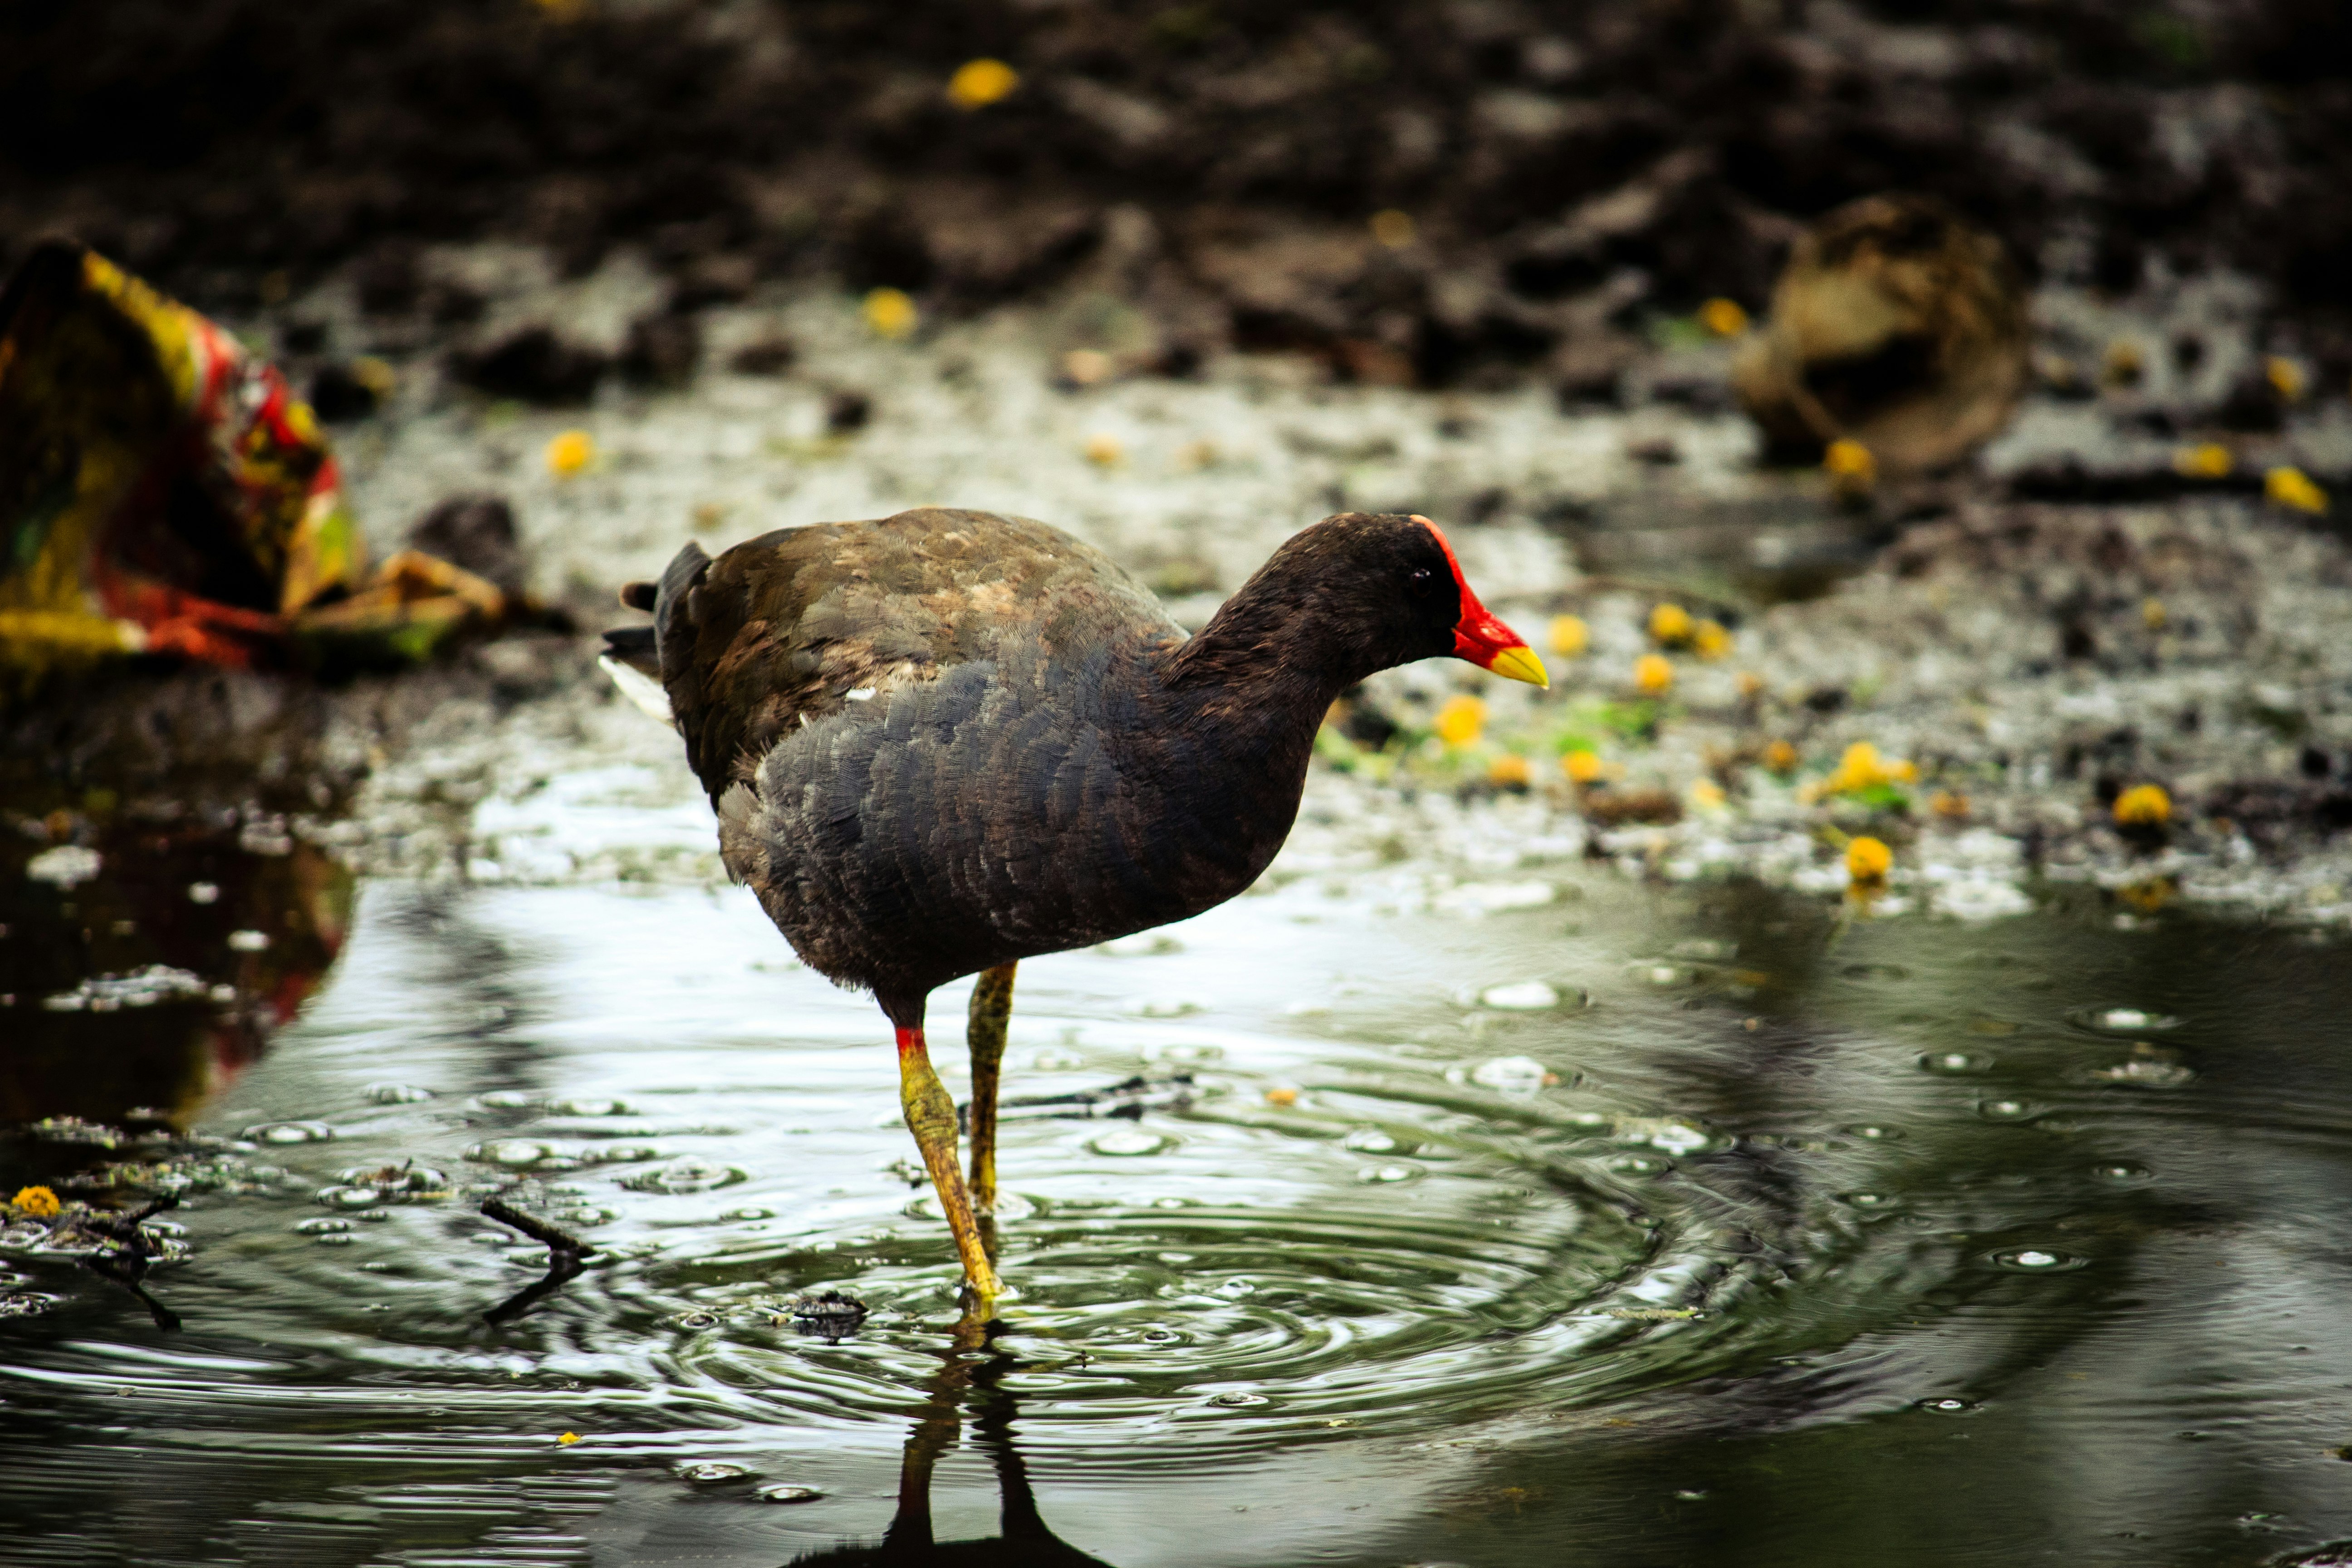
[1581,766]
[1705,794]
[568,1439]
[2285,377]
[1723,318]
[1393,228]
[1710,640]
[2143,806]
[1282,1097]
[38,1202]
[889,313]
[1569,635]
[2292,487]
[2210,460]
[1867,860]
[1460,718]
[1509,771]
[1104,451]
[571,452]
[979,83]
[1653,674]
[2151,614]
[1852,470]
[1670,625]
[1861,768]
[1945,803]
[1780,757]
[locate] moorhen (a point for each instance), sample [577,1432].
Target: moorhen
[944,741]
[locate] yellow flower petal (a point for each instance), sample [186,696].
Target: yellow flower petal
[2143,806]
[38,1202]
[1653,674]
[888,313]
[1569,635]
[1723,318]
[570,453]
[979,83]
[1459,719]
[1867,860]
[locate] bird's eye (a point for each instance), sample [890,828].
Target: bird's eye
[1421,581]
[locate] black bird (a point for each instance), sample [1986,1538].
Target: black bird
[944,741]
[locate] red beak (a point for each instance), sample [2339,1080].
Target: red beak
[1481,639]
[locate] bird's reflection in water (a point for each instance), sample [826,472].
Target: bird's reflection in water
[970,1379]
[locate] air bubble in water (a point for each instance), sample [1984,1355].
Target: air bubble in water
[397,1093]
[1523,997]
[1956,1064]
[291,1132]
[686,1174]
[1511,1074]
[1127,1143]
[783,1494]
[1237,1400]
[2037,1260]
[512,1153]
[711,1473]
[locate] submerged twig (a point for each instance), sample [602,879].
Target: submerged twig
[126,1264]
[564,1253]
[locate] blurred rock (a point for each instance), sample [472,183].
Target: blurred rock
[662,350]
[477,532]
[1895,325]
[533,363]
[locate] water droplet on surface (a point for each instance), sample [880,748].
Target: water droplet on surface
[1956,1064]
[2037,1260]
[1511,1074]
[514,1153]
[289,1133]
[1368,1140]
[783,1494]
[1873,1132]
[1869,1200]
[1639,1165]
[1159,1336]
[1523,997]
[1376,1174]
[711,1473]
[1127,1142]
[1237,1400]
[697,1319]
[1947,1405]
[2008,1110]
[397,1093]
[588,1108]
[686,1174]
[322,1227]
[2123,1020]
[2120,1170]
[745,1214]
[509,1099]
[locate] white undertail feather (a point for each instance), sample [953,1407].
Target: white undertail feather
[639,688]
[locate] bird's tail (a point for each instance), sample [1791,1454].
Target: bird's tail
[631,655]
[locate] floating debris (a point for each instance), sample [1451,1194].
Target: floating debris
[828,1315]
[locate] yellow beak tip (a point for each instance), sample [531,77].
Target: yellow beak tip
[1521,664]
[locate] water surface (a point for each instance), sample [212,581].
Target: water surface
[1631,1224]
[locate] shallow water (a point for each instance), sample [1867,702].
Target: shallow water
[1778,1236]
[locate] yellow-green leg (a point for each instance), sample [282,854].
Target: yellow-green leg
[932,1117]
[992,1015]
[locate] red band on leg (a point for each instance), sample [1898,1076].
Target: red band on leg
[910,1042]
